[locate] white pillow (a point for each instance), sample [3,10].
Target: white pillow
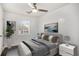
[42,36]
[50,38]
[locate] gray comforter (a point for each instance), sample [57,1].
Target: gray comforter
[47,43]
[37,49]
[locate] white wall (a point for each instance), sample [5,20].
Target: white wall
[68,19]
[16,38]
[1,29]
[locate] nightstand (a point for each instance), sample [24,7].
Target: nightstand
[67,50]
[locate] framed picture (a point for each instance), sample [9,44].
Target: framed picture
[10,28]
[51,28]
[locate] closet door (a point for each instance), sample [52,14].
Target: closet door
[1,29]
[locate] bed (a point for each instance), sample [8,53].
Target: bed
[37,47]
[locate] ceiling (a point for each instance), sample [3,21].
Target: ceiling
[21,8]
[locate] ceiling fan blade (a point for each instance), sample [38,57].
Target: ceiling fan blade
[42,10]
[30,4]
[29,12]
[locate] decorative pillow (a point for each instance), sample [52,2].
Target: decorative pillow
[50,38]
[42,36]
[54,39]
[46,37]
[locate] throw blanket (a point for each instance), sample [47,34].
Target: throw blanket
[41,43]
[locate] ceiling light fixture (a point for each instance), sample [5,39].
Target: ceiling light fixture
[35,10]
[30,4]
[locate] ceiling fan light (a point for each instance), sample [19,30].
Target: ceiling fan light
[35,10]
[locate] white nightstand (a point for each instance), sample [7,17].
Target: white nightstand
[65,50]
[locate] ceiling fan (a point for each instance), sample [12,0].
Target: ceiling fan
[35,9]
